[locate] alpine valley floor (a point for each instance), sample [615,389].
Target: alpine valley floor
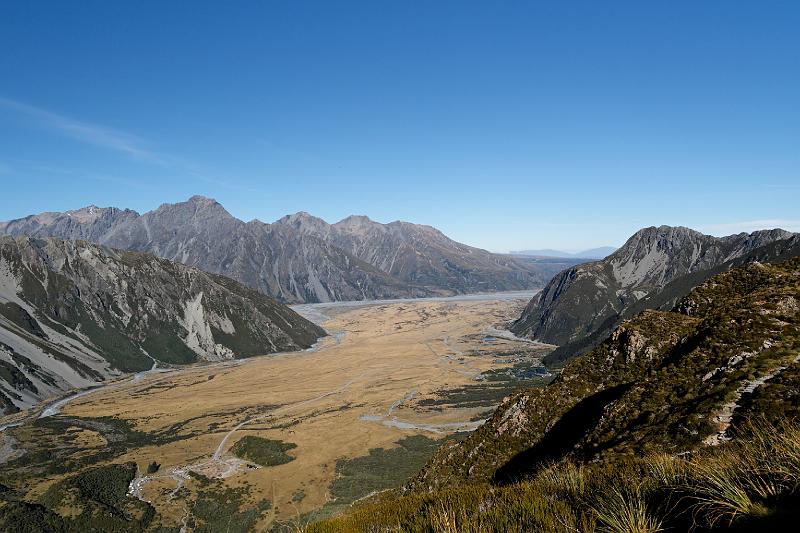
[357,414]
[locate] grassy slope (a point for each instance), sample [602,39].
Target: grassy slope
[750,484]
[647,387]
[654,387]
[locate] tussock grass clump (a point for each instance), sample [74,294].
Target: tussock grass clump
[625,510]
[467,509]
[569,478]
[745,482]
[747,478]
[664,470]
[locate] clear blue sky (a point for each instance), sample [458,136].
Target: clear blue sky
[507,125]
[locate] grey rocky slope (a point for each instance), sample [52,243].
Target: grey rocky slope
[73,314]
[299,258]
[422,255]
[589,300]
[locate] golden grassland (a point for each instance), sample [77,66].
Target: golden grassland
[369,386]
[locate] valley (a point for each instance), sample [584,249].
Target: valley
[434,267]
[293,436]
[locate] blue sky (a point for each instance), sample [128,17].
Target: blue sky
[508,125]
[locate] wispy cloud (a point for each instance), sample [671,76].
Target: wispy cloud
[752,225]
[85,132]
[81,176]
[115,140]
[782,186]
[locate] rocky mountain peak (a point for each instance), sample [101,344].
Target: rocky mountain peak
[355,220]
[88,214]
[358,225]
[199,199]
[305,223]
[653,268]
[195,207]
[757,238]
[657,237]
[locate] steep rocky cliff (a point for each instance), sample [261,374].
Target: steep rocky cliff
[590,299]
[73,314]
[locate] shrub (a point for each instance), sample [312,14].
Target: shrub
[264,452]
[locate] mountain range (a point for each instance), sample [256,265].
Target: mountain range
[592,253]
[664,381]
[671,347]
[657,266]
[299,258]
[73,314]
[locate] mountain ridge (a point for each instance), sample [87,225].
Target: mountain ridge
[298,258]
[73,314]
[583,299]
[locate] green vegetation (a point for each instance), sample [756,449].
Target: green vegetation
[115,344]
[53,447]
[94,500]
[243,341]
[167,346]
[381,470]
[23,517]
[777,399]
[751,484]
[61,298]
[15,377]
[21,318]
[107,485]
[497,384]
[264,452]
[220,508]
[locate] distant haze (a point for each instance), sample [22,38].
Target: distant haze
[593,253]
